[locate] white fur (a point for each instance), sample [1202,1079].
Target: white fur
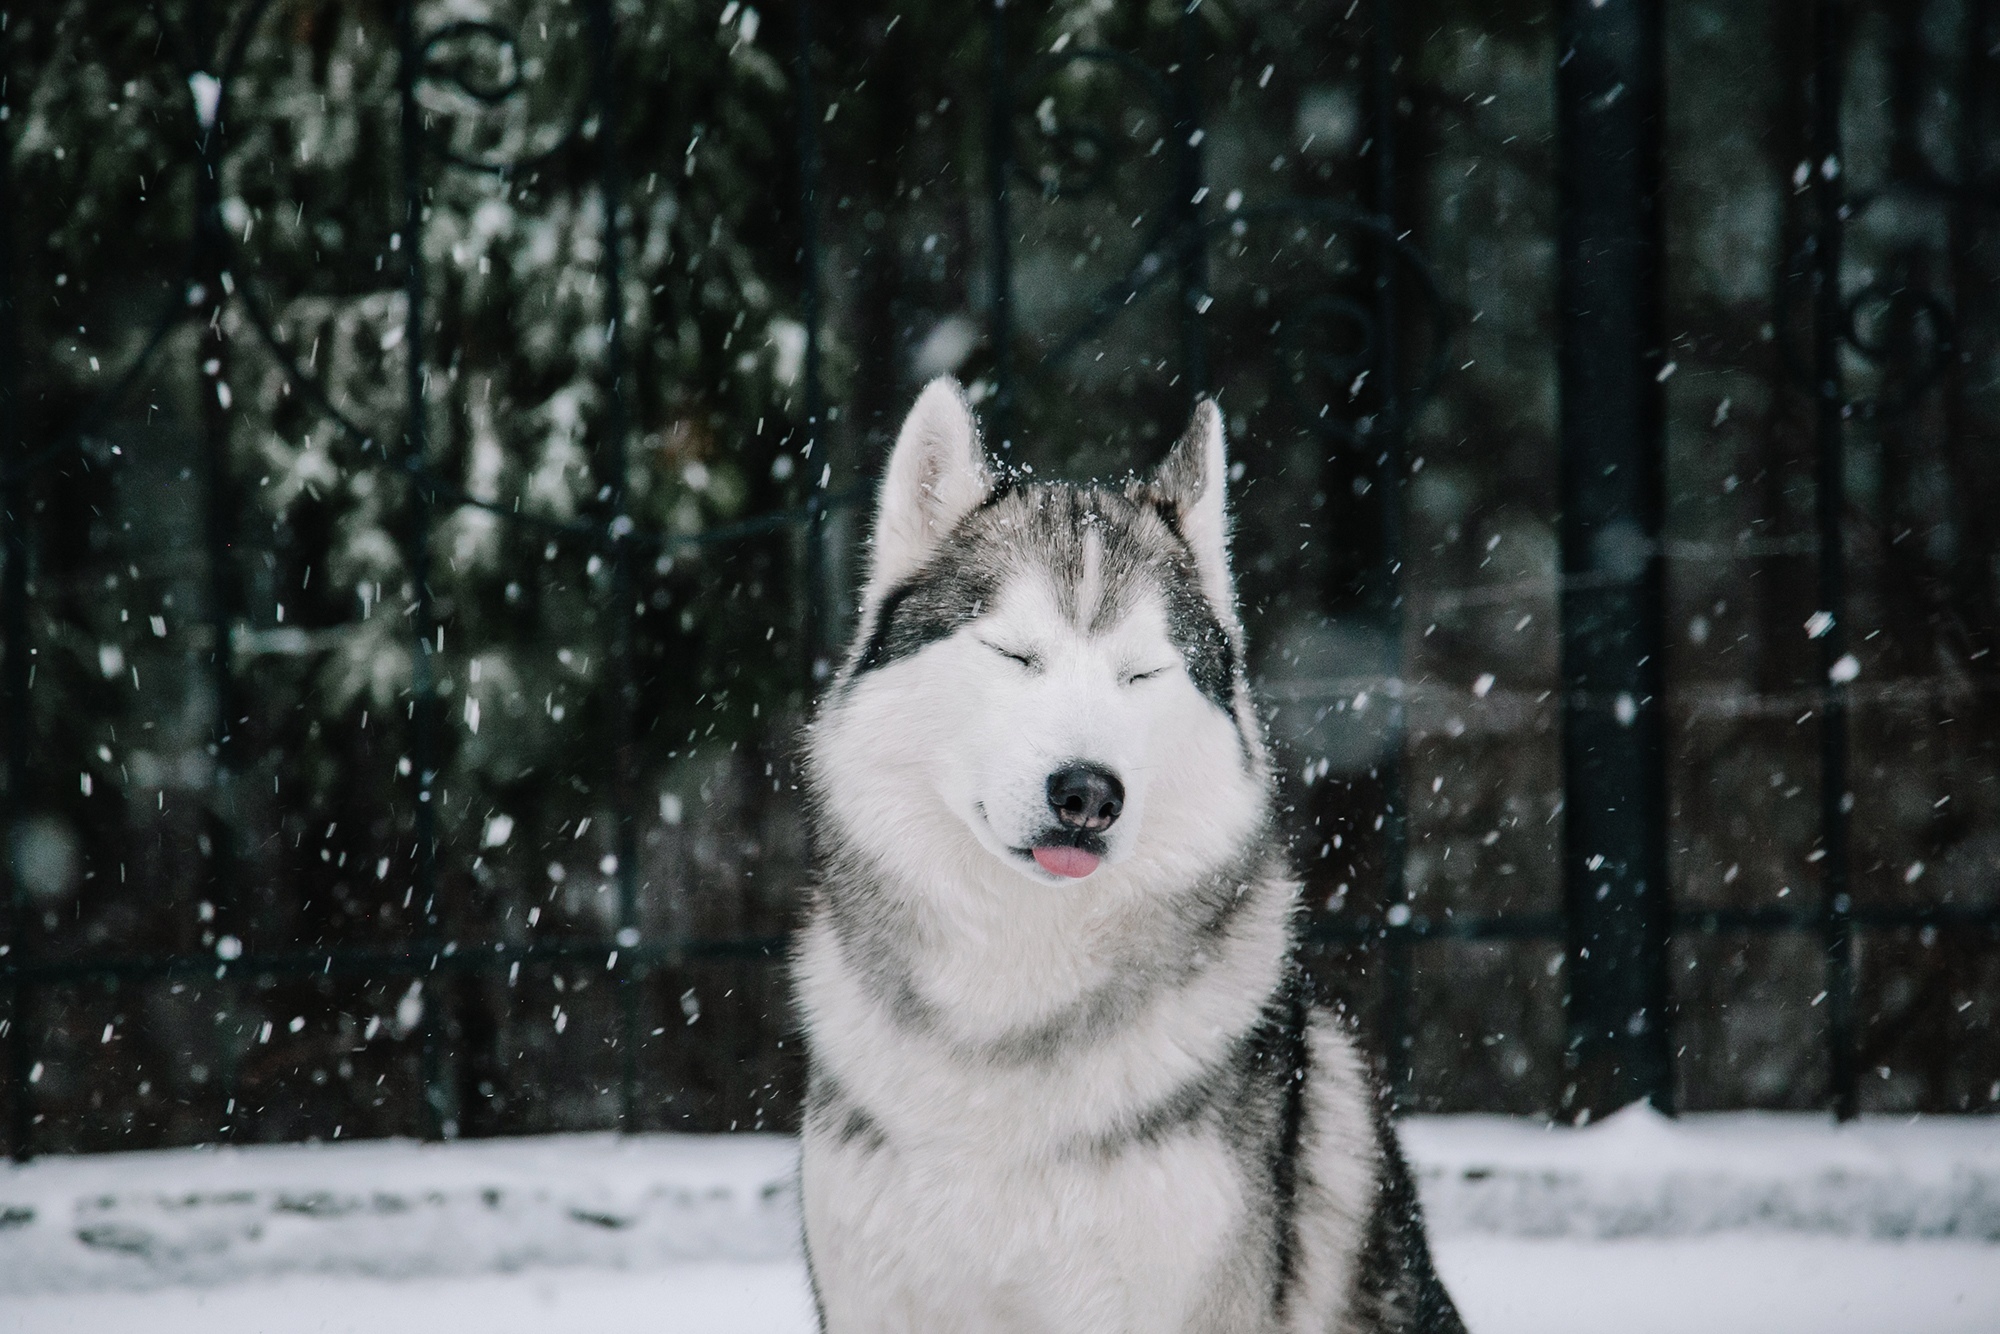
[988,1211]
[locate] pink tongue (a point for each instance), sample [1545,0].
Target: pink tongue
[1072,862]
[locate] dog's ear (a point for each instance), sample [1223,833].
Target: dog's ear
[937,475]
[1190,483]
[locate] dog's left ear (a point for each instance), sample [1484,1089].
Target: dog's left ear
[1190,482]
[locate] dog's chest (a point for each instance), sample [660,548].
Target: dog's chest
[916,1236]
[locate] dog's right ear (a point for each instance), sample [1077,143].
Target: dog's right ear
[936,476]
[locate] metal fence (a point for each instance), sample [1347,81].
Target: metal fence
[1379,326]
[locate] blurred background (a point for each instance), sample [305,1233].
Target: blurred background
[437,437]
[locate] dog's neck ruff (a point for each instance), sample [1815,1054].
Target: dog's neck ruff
[1095,1015]
[981,959]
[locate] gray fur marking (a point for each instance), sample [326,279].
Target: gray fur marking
[1044,527]
[825,1098]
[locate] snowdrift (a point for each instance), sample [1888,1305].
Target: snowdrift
[399,1209]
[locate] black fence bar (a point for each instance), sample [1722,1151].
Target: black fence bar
[14,664]
[419,958]
[424,721]
[615,475]
[817,451]
[209,262]
[1836,802]
[1189,195]
[219,520]
[478,958]
[1385,583]
[1362,929]
[1608,103]
[1000,260]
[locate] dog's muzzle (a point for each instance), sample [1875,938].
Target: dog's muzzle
[1086,800]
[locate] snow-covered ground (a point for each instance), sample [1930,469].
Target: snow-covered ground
[1711,1224]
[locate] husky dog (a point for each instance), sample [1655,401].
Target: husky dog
[1065,1076]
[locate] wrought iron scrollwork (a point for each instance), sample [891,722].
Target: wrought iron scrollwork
[461,74]
[1865,311]
[1333,340]
[492,83]
[1078,156]
[1324,338]
[207,106]
[448,56]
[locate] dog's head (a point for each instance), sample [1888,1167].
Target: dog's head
[1046,677]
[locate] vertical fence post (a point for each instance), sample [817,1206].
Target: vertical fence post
[218,517]
[1608,101]
[1189,193]
[441,1115]
[14,648]
[1385,585]
[624,686]
[1829,411]
[817,454]
[999,173]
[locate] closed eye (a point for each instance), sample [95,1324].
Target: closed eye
[1133,678]
[1028,660]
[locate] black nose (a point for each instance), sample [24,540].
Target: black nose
[1084,796]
